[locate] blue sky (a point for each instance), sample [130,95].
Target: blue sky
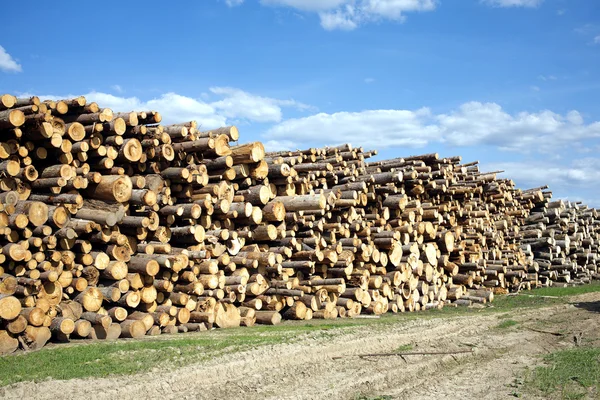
[511,83]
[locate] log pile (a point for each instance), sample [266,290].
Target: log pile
[113,225]
[563,237]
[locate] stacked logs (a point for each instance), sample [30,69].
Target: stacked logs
[114,225]
[563,238]
[447,224]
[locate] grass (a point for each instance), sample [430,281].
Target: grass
[403,348]
[568,374]
[121,358]
[542,297]
[84,359]
[125,357]
[566,291]
[506,324]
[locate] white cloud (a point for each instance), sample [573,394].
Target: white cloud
[176,108]
[369,128]
[539,173]
[395,8]
[307,5]
[111,101]
[7,63]
[172,107]
[471,124]
[547,77]
[587,29]
[535,88]
[477,123]
[117,88]
[562,179]
[369,80]
[513,3]
[561,12]
[344,19]
[239,104]
[590,31]
[280,145]
[233,3]
[232,104]
[349,14]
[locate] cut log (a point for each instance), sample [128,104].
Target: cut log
[36,337]
[10,307]
[8,344]
[227,316]
[268,317]
[132,329]
[112,188]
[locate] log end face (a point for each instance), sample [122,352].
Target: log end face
[119,125]
[16,118]
[123,189]
[10,307]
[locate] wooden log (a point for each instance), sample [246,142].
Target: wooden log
[10,307]
[60,325]
[112,188]
[297,311]
[17,325]
[36,337]
[82,329]
[8,344]
[11,119]
[132,329]
[248,153]
[303,203]
[268,317]
[227,316]
[91,299]
[35,316]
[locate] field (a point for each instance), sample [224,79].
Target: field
[539,344]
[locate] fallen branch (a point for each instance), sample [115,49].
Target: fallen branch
[402,354]
[542,331]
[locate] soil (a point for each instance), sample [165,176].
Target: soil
[307,369]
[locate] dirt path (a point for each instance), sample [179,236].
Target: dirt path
[306,369]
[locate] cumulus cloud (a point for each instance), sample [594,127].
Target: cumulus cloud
[471,124]
[307,5]
[177,108]
[398,127]
[7,63]
[477,123]
[239,104]
[538,173]
[563,180]
[279,145]
[349,14]
[513,3]
[344,19]
[232,104]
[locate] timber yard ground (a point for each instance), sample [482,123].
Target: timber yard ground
[539,344]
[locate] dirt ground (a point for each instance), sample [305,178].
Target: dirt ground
[306,368]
